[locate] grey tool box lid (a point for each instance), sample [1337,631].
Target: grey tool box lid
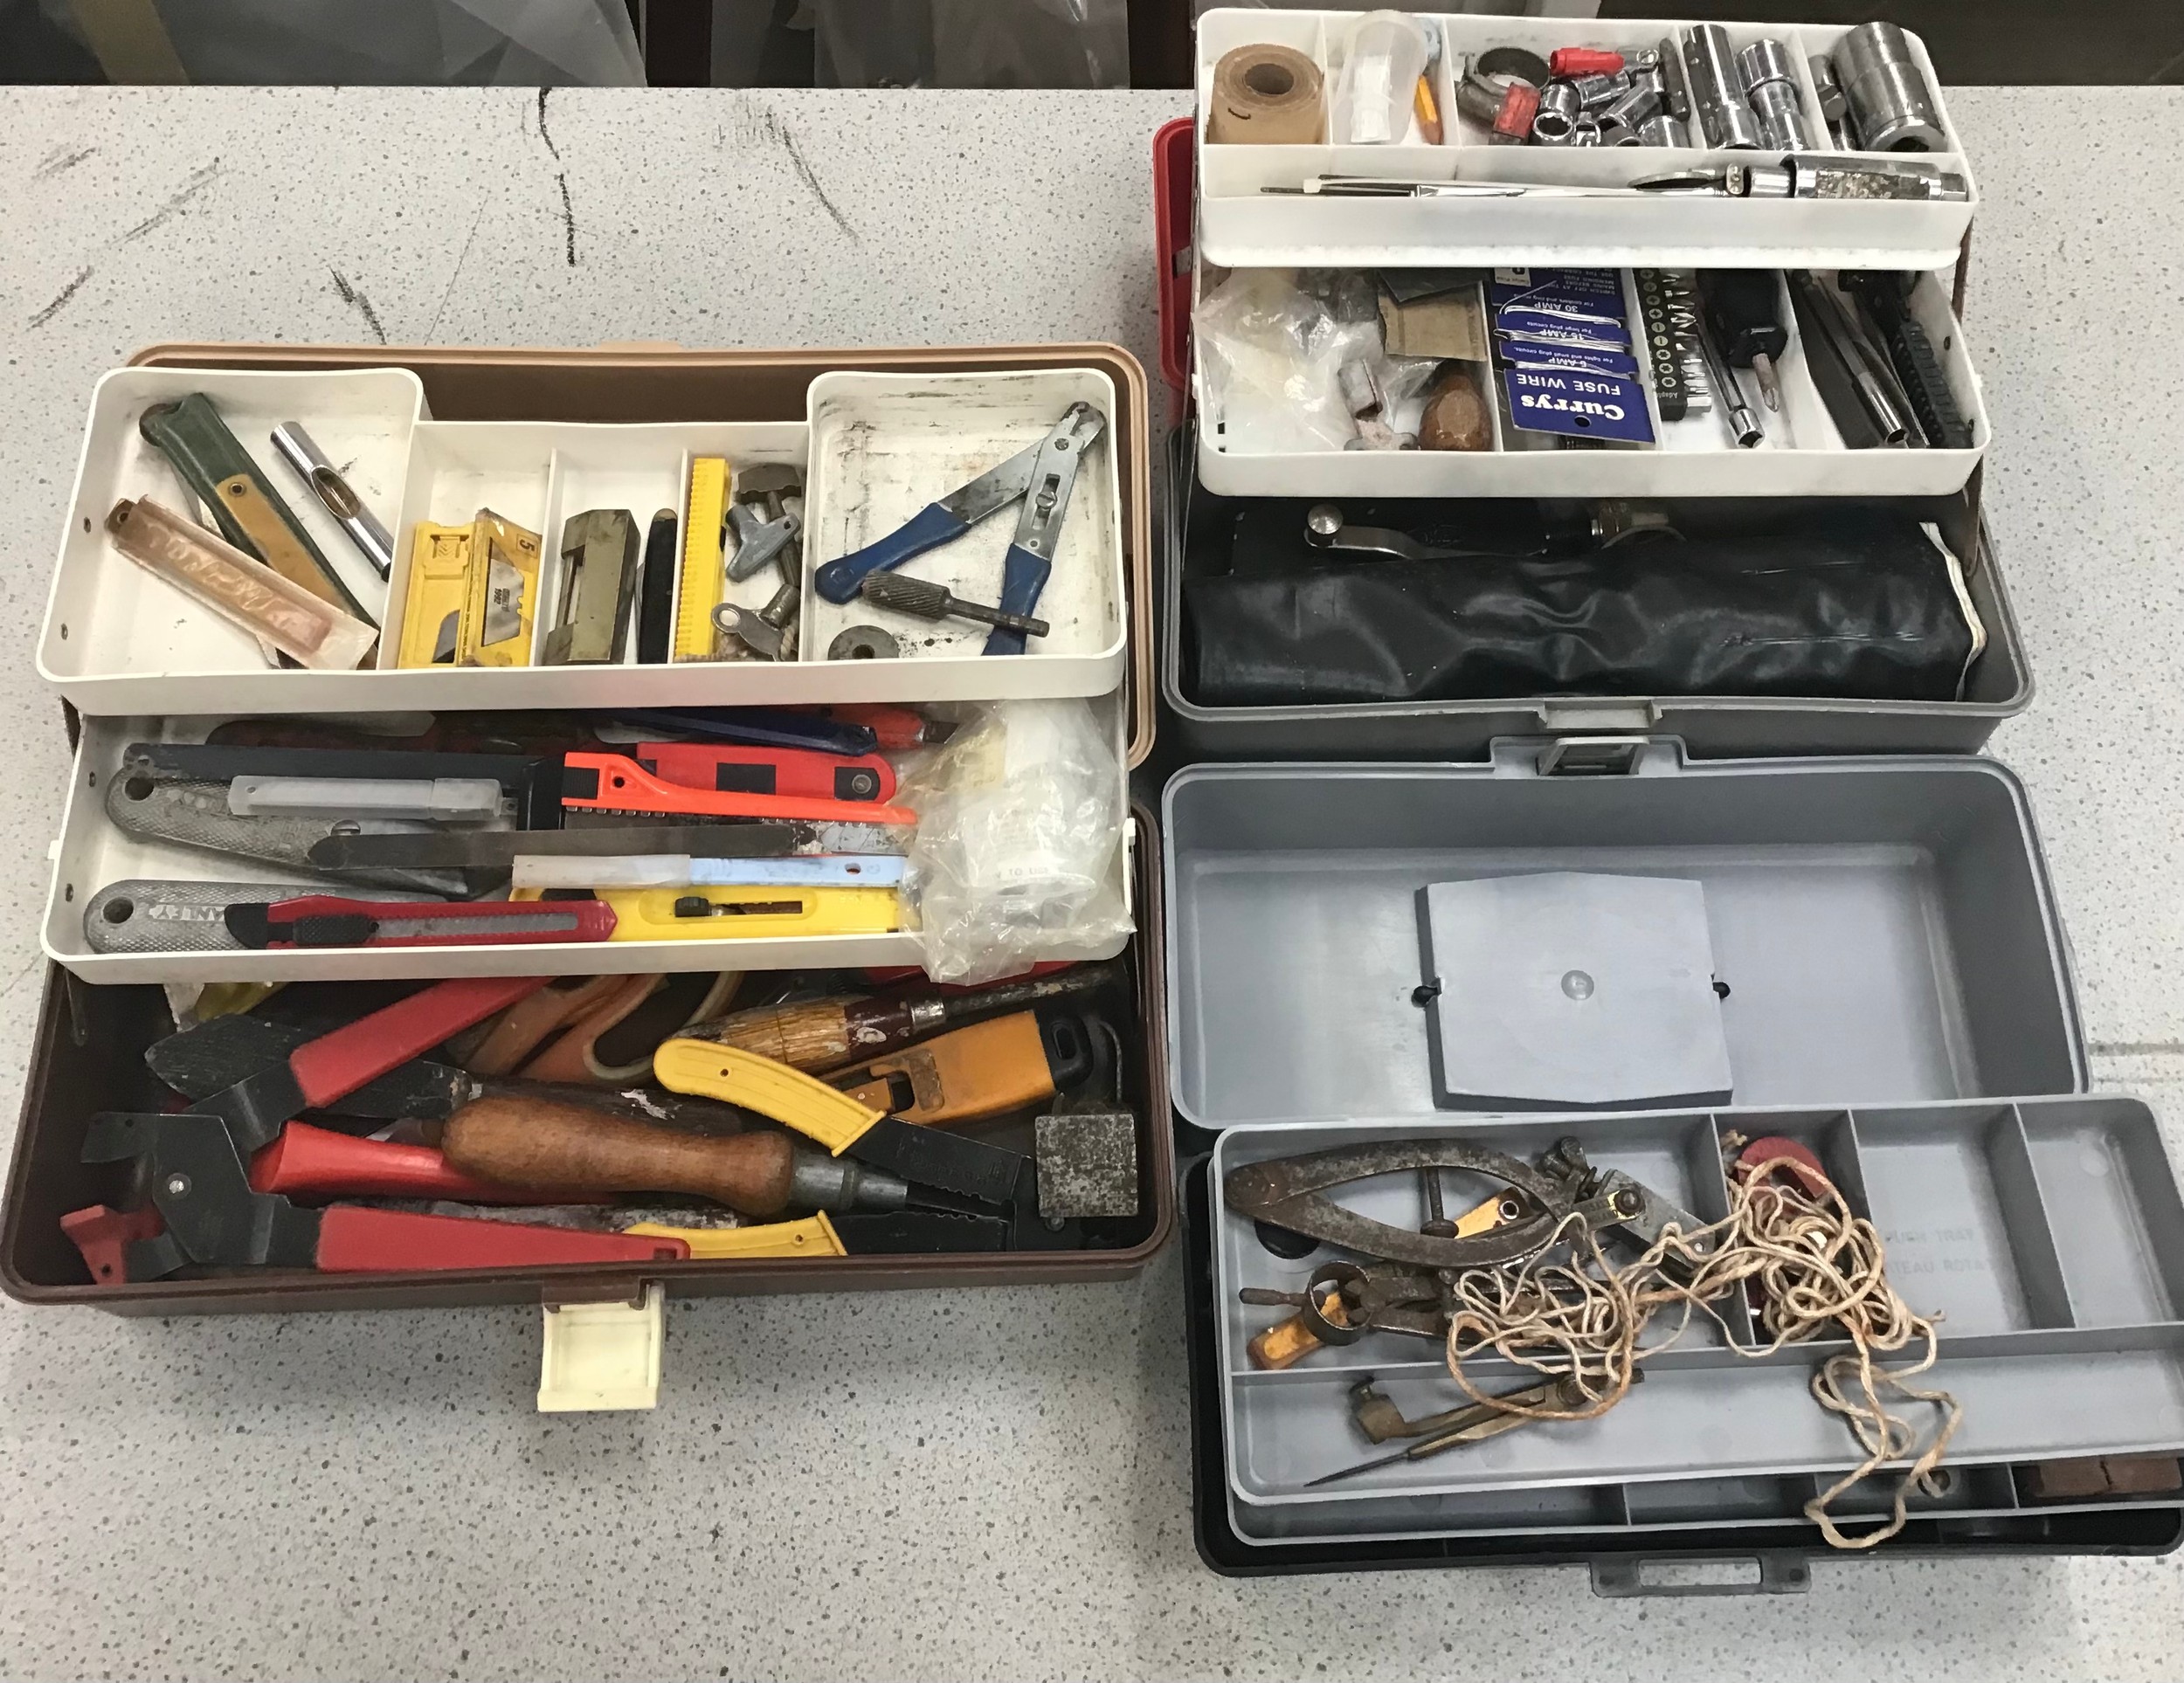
[1884,924]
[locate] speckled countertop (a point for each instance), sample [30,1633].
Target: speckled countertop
[990,1485]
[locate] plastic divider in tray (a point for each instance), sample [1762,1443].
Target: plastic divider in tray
[1240,226]
[119,641]
[92,853]
[2045,1236]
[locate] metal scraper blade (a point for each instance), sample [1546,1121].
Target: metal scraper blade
[504,602]
[823,837]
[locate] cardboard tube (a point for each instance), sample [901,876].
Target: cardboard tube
[1266,96]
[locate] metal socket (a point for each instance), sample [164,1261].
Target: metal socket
[1717,89]
[1832,104]
[1779,109]
[1599,89]
[1617,133]
[1555,123]
[1632,109]
[1677,84]
[1662,130]
[1891,104]
[1764,61]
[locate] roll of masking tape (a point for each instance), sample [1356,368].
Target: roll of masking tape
[1268,96]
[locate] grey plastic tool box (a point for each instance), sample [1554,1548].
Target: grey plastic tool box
[1898,997]
[2000,686]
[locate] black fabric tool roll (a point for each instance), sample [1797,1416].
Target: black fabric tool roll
[1859,605]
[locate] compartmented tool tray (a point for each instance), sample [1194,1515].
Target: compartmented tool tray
[92,853]
[1897,998]
[1803,453]
[87,1057]
[1242,226]
[1998,687]
[2040,1234]
[435,436]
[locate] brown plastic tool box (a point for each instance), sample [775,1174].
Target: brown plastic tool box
[86,1058]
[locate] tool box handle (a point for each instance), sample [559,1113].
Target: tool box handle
[1771,1572]
[1587,756]
[1174,178]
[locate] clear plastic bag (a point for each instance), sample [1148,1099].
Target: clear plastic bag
[1272,353]
[1016,856]
[1285,353]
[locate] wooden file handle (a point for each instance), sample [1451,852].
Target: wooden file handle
[523,1141]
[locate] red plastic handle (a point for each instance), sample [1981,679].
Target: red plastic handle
[771,770]
[1584,61]
[469,923]
[623,785]
[317,1163]
[1520,103]
[103,1236]
[892,727]
[355,1240]
[335,1064]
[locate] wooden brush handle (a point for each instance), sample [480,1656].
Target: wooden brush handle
[817,1036]
[525,1141]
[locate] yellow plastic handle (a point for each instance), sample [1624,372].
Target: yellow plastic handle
[761,913]
[813,1236]
[706,1070]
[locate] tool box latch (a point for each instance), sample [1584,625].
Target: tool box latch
[603,1355]
[1592,757]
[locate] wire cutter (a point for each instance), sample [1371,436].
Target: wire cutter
[1040,474]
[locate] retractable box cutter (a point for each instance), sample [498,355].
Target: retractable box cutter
[615,783]
[768,771]
[1041,476]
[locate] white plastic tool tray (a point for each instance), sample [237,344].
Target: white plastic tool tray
[1802,454]
[1897,999]
[92,853]
[875,448]
[1242,224]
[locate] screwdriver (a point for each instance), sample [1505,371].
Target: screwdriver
[521,1141]
[818,1035]
[1744,307]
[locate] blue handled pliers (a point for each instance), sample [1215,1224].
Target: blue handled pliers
[1042,474]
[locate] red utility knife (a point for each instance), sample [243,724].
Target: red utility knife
[334,921]
[770,770]
[613,783]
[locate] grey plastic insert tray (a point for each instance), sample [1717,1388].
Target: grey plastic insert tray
[2047,1235]
[1884,925]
